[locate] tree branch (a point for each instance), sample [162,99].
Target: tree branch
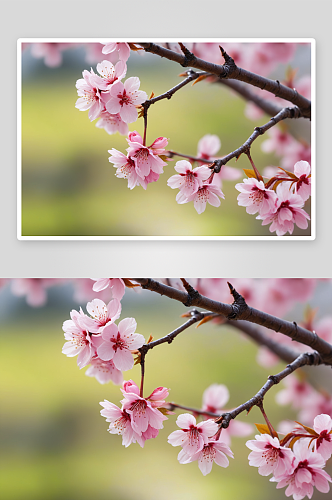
[229,70]
[239,310]
[311,358]
[245,148]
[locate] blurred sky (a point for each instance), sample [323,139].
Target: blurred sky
[69,187]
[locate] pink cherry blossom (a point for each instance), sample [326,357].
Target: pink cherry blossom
[215,397]
[118,342]
[269,456]
[125,97]
[126,169]
[208,146]
[33,288]
[112,123]
[323,427]
[116,285]
[303,185]
[146,159]
[192,436]
[287,213]
[208,193]
[296,392]
[189,180]
[213,451]
[255,197]
[120,422]
[143,411]
[90,97]
[104,371]
[319,404]
[79,339]
[51,52]
[102,314]
[109,74]
[123,49]
[305,473]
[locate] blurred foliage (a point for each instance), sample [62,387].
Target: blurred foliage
[69,187]
[54,442]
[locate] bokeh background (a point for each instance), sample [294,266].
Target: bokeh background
[54,443]
[69,187]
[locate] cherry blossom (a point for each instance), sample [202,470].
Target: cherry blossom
[214,399]
[122,48]
[120,422]
[323,427]
[112,123]
[303,185]
[306,472]
[104,371]
[126,169]
[102,314]
[192,436]
[269,456]
[124,98]
[208,193]
[207,148]
[51,52]
[288,212]
[118,341]
[213,451]
[297,392]
[33,288]
[79,339]
[144,412]
[255,197]
[90,97]
[189,180]
[146,159]
[116,285]
[109,74]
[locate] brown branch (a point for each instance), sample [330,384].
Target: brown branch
[260,338]
[269,107]
[239,310]
[311,358]
[283,114]
[195,317]
[229,70]
[173,406]
[192,75]
[245,148]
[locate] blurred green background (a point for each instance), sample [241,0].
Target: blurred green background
[69,187]
[54,443]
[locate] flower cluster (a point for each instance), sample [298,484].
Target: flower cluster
[139,418]
[98,341]
[107,97]
[142,164]
[298,459]
[282,207]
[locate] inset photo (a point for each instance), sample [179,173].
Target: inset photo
[166,139]
[190,386]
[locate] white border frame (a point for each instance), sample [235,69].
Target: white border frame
[20,41]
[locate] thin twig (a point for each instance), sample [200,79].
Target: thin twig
[173,406]
[258,131]
[312,358]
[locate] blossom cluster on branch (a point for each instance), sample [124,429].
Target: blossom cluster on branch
[277,194]
[295,455]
